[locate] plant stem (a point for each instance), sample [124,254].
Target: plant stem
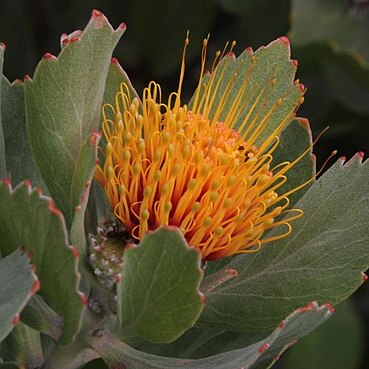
[70,357]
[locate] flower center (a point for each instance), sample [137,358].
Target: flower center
[168,164]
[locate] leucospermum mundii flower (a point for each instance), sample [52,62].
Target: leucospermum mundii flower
[200,167]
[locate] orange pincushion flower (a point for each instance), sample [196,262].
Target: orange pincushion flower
[169,164]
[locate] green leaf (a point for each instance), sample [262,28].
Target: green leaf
[261,79]
[328,347]
[81,185]
[39,316]
[63,104]
[322,259]
[158,296]
[17,285]
[257,356]
[9,365]
[29,219]
[2,141]
[197,343]
[287,150]
[116,76]
[19,160]
[82,179]
[350,36]
[25,343]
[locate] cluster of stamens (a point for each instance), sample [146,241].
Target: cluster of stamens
[168,164]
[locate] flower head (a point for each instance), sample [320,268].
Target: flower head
[191,167]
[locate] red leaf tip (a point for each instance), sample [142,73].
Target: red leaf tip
[2,45]
[16,319]
[48,56]
[364,277]
[302,87]
[6,181]
[53,209]
[83,297]
[38,190]
[114,61]
[232,272]
[310,306]
[263,348]
[75,251]
[203,298]
[131,245]
[97,13]
[117,278]
[330,308]
[27,183]
[249,49]
[64,39]
[36,286]
[123,26]
[295,63]
[27,78]
[285,40]
[99,19]
[95,136]
[361,154]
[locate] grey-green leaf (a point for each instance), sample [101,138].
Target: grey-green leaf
[116,76]
[9,365]
[63,104]
[261,84]
[19,160]
[295,141]
[25,344]
[17,282]
[2,141]
[260,355]
[29,219]
[158,295]
[82,179]
[39,316]
[337,344]
[322,259]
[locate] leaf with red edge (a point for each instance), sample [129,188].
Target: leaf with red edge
[298,131]
[19,159]
[260,355]
[82,179]
[260,84]
[63,105]
[322,259]
[30,219]
[2,141]
[158,294]
[18,284]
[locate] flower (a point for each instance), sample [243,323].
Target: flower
[171,164]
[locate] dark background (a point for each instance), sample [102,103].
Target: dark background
[330,40]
